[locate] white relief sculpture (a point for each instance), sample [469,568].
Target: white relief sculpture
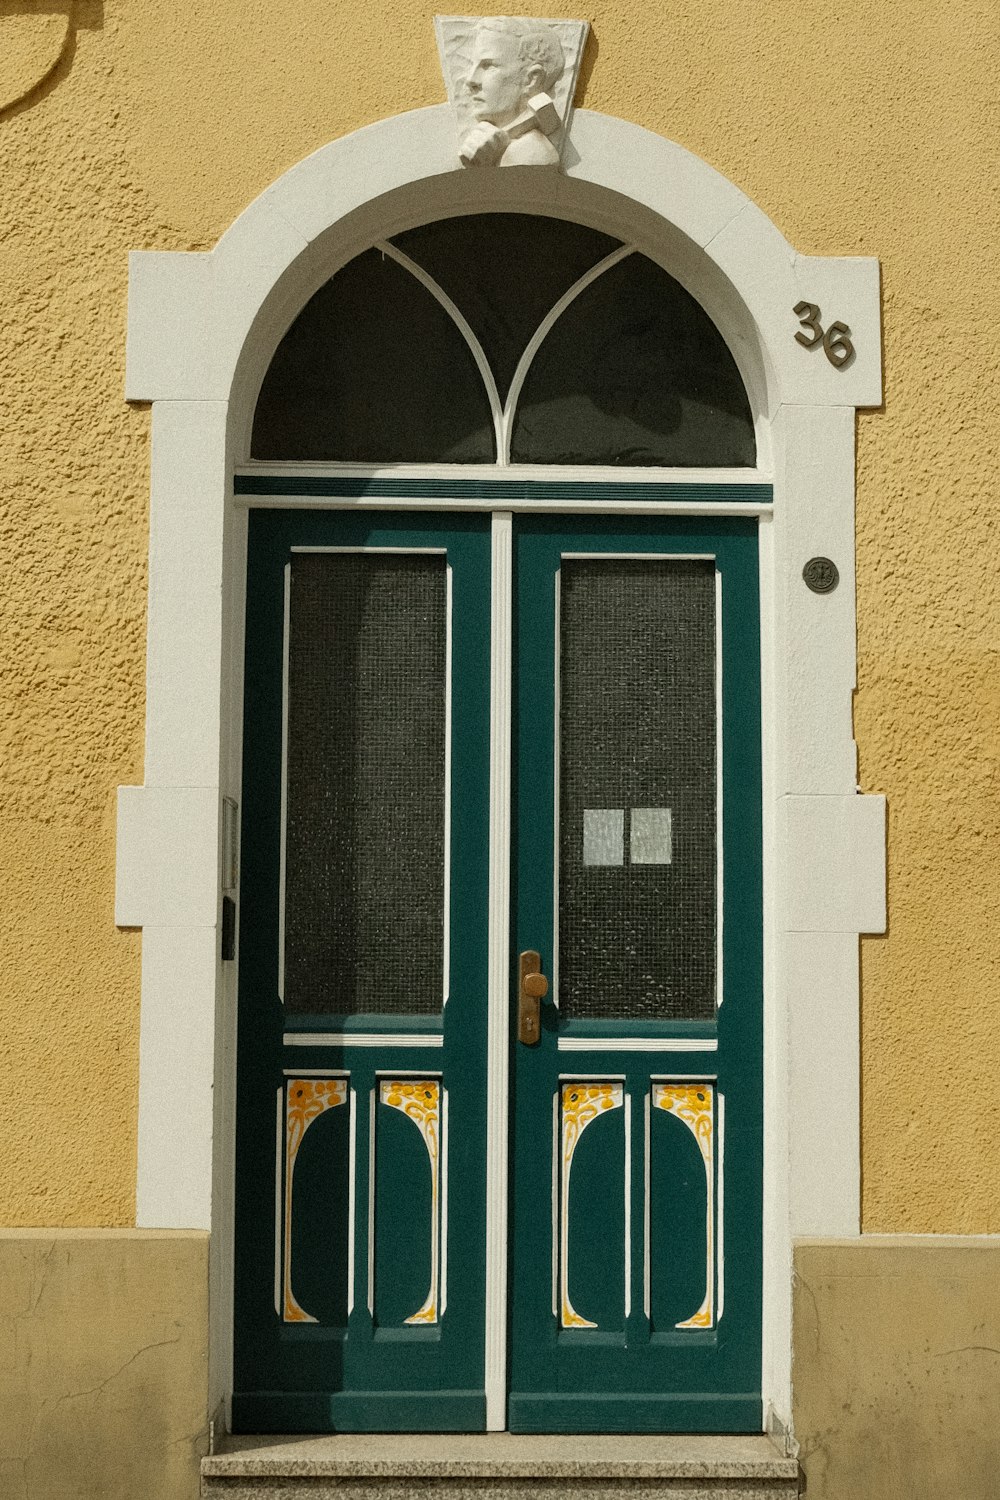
[511,81]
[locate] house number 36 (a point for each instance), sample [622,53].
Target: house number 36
[836,341]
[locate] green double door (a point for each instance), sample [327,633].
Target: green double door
[499,1051]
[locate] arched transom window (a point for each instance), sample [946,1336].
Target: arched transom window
[504,339]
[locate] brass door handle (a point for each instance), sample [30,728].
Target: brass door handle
[531,990]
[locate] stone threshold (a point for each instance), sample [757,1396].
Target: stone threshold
[502,1456]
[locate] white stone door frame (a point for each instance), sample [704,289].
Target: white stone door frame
[201,330]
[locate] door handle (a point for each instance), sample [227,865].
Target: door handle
[531,990]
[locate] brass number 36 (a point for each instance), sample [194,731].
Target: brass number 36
[836,340]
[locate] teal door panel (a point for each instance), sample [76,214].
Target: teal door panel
[359,1295]
[635,1122]
[636,1233]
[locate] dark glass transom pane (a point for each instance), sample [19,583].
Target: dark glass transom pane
[634,372]
[637,789]
[373,370]
[365,798]
[505,272]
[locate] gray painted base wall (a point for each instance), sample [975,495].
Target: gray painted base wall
[104,1352]
[103,1364]
[896,1367]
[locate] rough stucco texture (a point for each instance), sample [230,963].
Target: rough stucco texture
[859,129]
[35,36]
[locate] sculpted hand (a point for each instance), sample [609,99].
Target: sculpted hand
[484,145]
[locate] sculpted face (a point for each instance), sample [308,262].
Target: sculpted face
[498,81]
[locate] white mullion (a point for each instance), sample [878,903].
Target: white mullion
[371,1204]
[283,835]
[352,1154]
[720,1205]
[279,1201]
[720,993]
[443,1278]
[556,769]
[555,1204]
[497,1068]
[446,954]
[464,327]
[628,1206]
[646,1278]
[538,338]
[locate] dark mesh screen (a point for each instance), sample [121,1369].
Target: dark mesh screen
[637,819]
[505,272]
[373,370]
[364,877]
[634,372]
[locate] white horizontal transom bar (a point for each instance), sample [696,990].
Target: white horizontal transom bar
[610,474]
[382,551]
[316,1072]
[408,1073]
[505,503]
[637,557]
[362,1039]
[638,1044]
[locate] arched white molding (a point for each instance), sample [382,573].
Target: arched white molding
[403,171]
[201,330]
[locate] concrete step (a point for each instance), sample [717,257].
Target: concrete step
[498,1466]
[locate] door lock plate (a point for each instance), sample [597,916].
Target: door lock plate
[531,991]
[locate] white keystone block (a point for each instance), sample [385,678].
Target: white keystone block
[834,864]
[168,856]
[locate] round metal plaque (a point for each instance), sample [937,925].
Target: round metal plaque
[821,575]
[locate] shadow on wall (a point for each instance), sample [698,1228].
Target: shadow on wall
[586,68]
[37,46]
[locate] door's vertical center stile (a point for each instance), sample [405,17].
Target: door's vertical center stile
[498,1020]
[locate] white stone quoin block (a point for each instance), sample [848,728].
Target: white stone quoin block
[834,864]
[168,856]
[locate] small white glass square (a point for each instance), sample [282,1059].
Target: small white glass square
[603,835]
[652,836]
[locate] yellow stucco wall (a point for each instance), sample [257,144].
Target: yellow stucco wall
[860,129]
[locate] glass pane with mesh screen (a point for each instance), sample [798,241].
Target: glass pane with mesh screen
[373,370]
[505,272]
[365,819]
[637,789]
[634,372]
